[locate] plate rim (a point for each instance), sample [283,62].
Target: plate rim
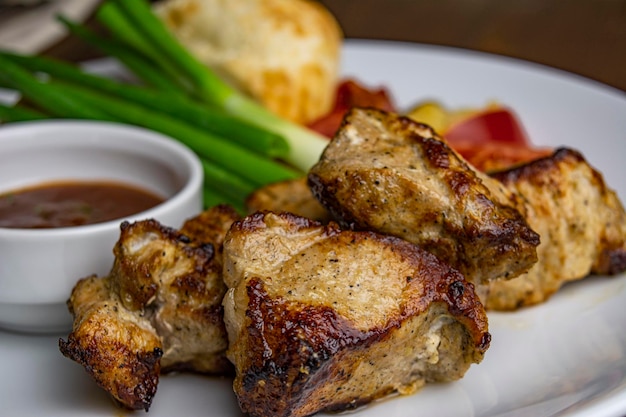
[616,405]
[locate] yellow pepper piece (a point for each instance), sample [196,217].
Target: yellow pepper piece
[441,119]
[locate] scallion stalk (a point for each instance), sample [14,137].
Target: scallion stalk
[212,198]
[140,65]
[305,146]
[55,101]
[257,169]
[181,98]
[212,120]
[18,113]
[125,32]
[226,183]
[156,37]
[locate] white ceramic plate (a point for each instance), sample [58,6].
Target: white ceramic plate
[564,358]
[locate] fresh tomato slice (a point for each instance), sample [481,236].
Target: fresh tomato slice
[495,125]
[328,124]
[350,94]
[491,138]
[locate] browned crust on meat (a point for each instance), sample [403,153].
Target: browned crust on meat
[581,221]
[387,173]
[293,196]
[185,307]
[136,388]
[122,355]
[158,310]
[211,225]
[612,261]
[260,220]
[296,356]
[133,276]
[612,256]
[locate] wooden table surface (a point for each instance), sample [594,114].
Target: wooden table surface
[587,37]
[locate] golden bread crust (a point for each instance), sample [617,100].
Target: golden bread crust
[284,53]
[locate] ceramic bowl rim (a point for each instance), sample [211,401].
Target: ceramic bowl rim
[147,137]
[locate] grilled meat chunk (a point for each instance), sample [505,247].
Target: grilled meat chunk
[293,196]
[390,174]
[324,319]
[159,309]
[177,280]
[581,222]
[118,348]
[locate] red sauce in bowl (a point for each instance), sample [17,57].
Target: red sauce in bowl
[75,203]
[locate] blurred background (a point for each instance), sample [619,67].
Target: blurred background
[587,37]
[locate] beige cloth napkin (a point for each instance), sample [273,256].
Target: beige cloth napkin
[33,29]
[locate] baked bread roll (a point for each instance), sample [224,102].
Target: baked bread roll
[284,53]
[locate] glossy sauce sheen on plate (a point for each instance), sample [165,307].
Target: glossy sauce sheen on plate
[566,357]
[72,203]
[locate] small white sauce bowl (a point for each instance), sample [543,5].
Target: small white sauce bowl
[39,267]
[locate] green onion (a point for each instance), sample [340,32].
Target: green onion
[127,36]
[212,120]
[305,146]
[19,114]
[236,159]
[158,38]
[255,168]
[242,144]
[226,183]
[136,62]
[212,198]
[55,101]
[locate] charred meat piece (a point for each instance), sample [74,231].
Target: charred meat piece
[323,319]
[159,309]
[117,347]
[175,277]
[392,175]
[293,196]
[581,222]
